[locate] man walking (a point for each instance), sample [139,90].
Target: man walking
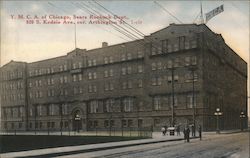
[187,132]
[193,130]
[199,131]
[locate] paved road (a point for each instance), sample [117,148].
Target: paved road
[212,146]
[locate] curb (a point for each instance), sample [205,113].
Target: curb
[99,149]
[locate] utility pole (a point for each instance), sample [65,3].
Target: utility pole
[173,96]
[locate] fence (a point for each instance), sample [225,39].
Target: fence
[113,131]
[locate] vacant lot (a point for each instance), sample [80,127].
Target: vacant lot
[10,143]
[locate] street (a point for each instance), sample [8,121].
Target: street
[212,146]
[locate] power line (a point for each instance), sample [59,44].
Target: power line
[115,27]
[51,4]
[131,27]
[168,12]
[133,36]
[134,29]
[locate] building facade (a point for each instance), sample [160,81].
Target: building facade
[176,76]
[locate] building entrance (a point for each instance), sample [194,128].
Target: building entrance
[77,121]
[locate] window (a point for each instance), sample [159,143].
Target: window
[40,94]
[193,44]
[123,71]
[164,46]
[176,47]
[74,78]
[156,81]
[157,103]
[105,60]
[65,67]
[75,90]
[105,73]
[187,61]
[80,77]
[94,62]
[52,109]
[128,104]
[74,66]
[31,95]
[153,65]
[124,85]
[106,123]
[129,84]
[159,50]
[129,70]
[123,57]
[61,68]
[170,64]
[194,60]
[92,89]
[108,105]
[159,66]
[139,83]
[93,106]
[189,77]
[61,79]
[176,62]
[94,75]
[110,59]
[139,54]
[153,50]
[111,72]
[190,101]
[129,56]
[175,101]
[139,69]
[39,110]
[89,62]
[90,75]
[156,122]
[176,78]
[108,86]
[31,112]
[65,79]
[124,123]
[80,64]
[64,109]
[80,90]
[170,48]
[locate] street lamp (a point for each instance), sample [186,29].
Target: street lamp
[217,114]
[192,69]
[242,116]
[77,120]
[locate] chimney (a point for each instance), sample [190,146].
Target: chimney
[104,44]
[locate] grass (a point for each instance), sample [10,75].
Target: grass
[13,143]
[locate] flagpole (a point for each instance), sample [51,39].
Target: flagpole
[201,16]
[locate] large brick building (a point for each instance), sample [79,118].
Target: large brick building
[133,84]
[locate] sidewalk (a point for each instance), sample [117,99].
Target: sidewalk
[60,151]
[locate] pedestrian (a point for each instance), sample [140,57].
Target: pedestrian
[187,132]
[193,130]
[200,131]
[166,129]
[163,130]
[178,130]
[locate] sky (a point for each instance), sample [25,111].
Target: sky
[22,41]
